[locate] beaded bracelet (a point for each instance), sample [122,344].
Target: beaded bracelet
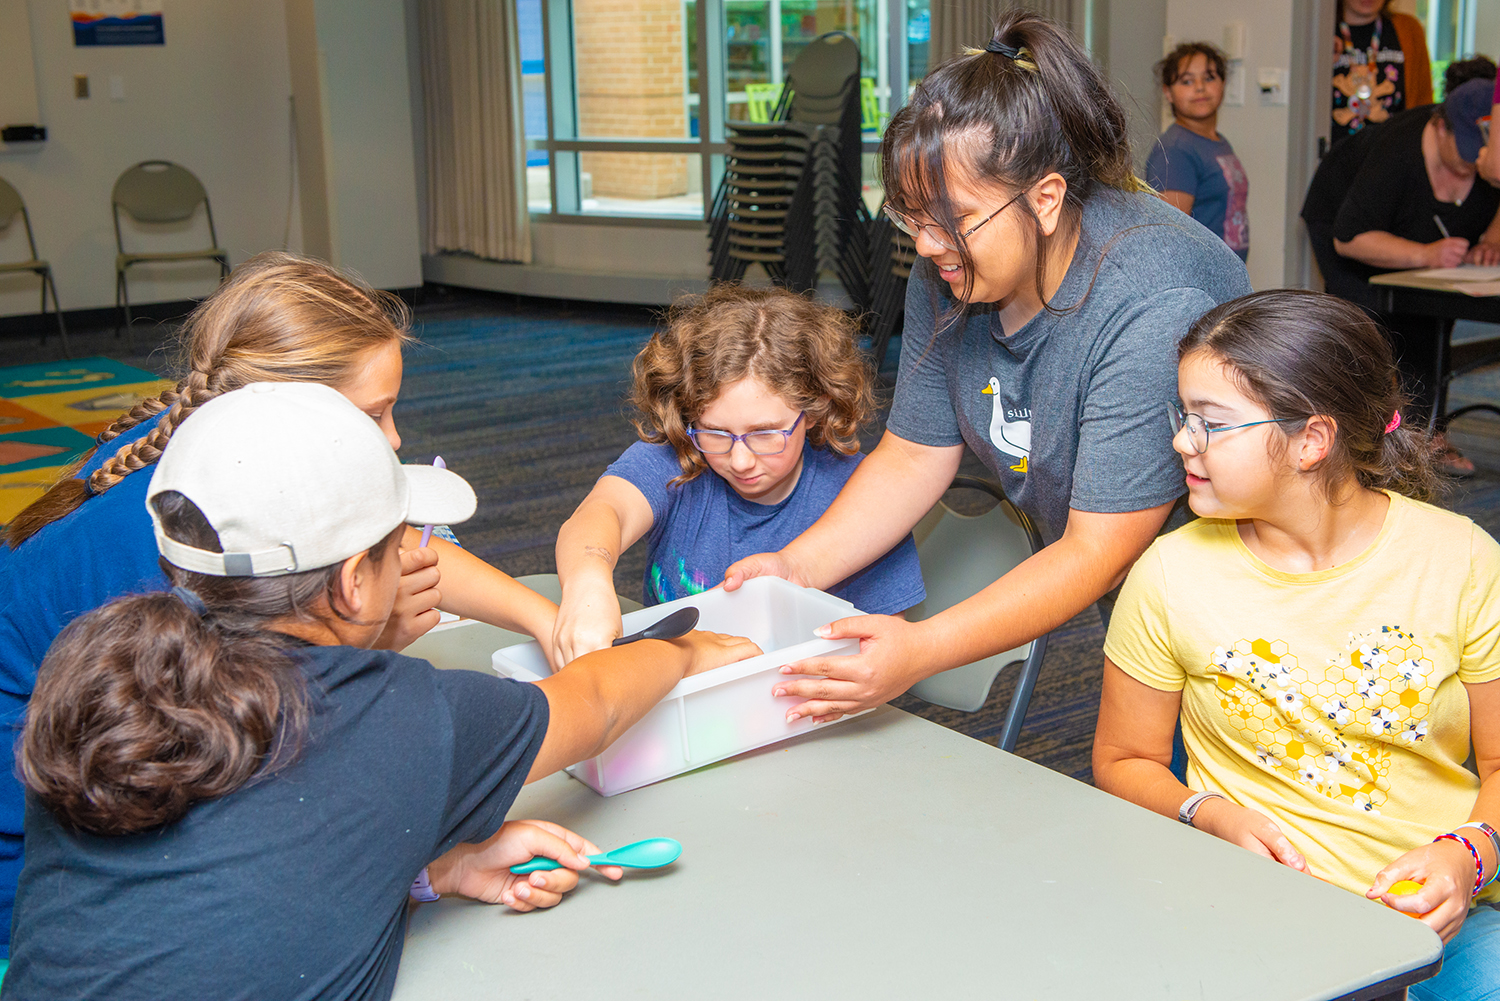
[1490,833]
[1478,862]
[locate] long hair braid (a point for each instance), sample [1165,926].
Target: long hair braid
[276,318]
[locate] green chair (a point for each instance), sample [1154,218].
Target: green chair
[159,191]
[869,106]
[11,205]
[961,555]
[761,100]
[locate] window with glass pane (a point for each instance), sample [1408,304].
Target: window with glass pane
[1450,28]
[631,67]
[534,103]
[762,38]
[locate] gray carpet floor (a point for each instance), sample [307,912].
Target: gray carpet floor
[525,398]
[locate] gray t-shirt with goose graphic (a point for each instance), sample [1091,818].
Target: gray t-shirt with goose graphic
[1070,411]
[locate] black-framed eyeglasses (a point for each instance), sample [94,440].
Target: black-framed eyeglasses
[936,233]
[772,442]
[1198,429]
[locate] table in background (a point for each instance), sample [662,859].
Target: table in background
[1419,307]
[888,857]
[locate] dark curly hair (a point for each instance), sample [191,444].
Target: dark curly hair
[1170,68]
[803,352]
[1300,354]
[143,707]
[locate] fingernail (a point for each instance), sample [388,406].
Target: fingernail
[791,717]
[822,631]
[778,693]
[523,891]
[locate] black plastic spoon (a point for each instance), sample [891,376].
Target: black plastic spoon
[667,628]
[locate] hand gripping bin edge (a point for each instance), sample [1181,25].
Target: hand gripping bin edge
[720,713]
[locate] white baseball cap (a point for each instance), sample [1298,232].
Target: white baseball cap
[294,477]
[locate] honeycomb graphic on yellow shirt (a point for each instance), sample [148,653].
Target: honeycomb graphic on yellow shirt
[1329,729]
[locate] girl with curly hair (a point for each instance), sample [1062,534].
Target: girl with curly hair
[749,400]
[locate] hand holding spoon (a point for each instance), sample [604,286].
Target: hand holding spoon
[653,853]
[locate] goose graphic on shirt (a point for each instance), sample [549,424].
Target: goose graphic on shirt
[1010,427]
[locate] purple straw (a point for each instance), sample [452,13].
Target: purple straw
[427,529]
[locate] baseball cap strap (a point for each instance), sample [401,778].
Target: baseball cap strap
[265,563]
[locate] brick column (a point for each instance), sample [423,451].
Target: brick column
[631,80]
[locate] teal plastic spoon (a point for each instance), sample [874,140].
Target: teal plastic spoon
[653,853]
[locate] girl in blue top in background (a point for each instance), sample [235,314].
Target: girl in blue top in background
[750,399]
[1192,165]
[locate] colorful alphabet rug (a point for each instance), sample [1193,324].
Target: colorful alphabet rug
[49,415]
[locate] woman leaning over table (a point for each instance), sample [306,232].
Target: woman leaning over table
[1040,331]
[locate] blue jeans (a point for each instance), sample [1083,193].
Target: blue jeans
[1471,962]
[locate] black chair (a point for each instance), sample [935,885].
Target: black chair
[962,555]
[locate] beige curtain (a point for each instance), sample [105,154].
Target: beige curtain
[960,24]
[476,173]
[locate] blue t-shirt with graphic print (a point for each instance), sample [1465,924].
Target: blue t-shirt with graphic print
[701,527]
[1210,171]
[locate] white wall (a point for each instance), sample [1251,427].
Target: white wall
[1487,30]
[364,99]
[1258,131]
[1135,30]
[213,98]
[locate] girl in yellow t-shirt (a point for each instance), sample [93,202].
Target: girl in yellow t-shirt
[1329,641]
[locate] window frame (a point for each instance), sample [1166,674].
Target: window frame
[562,143]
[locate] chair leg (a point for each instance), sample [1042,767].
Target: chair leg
[129,320]
[62,329]
[1020,700]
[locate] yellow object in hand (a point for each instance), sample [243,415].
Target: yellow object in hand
[1404,887]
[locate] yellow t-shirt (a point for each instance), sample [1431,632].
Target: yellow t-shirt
[1332,702]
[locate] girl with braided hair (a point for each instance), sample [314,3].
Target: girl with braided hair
[1041,327]
[277,318]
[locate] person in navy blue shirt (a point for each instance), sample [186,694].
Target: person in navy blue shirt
[88,539]
[229,794]
[750,400]
[1191,164]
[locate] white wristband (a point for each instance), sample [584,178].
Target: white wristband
[1189,808]
[421,888]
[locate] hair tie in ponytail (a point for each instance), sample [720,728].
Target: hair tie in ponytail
[1020,56]
[192,601]
[1395,422]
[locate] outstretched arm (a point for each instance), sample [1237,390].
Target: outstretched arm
[890,491]
[442,575]
[610,520]
[1380,249]
[1048,589]
[600,695]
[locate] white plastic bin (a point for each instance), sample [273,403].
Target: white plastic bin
[720,713]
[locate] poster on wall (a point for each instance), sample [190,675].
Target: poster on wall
[115,22]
